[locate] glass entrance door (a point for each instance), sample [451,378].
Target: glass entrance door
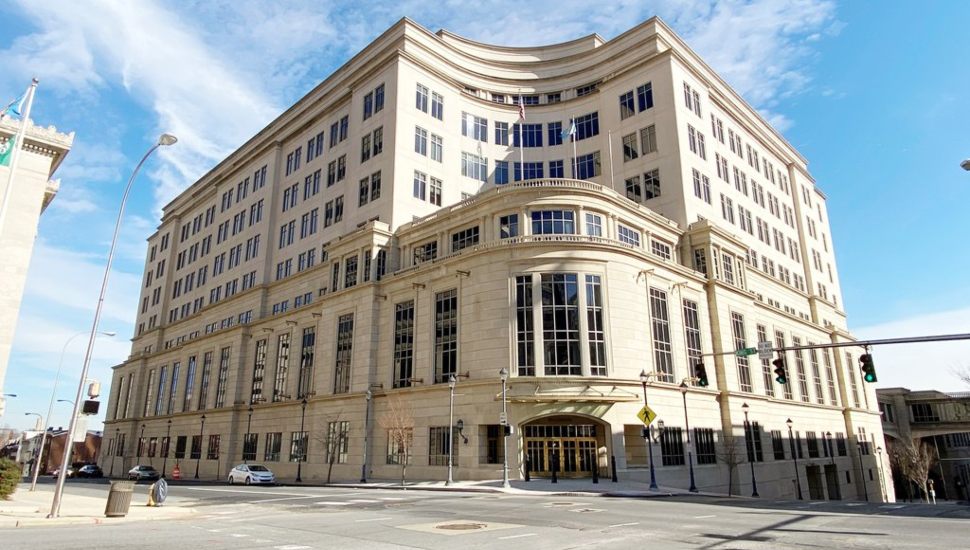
[573,448]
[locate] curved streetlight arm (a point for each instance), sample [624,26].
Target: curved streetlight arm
[165,139]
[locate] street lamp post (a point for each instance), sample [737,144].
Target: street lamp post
[141,442]
[690,455]
[750,435]
[862,472]
[644,378]
[368,395]
[791,443]
[50,408]
[303,441]
[163,140]
[452,382]
[23,438]
[168,443]
[504,376]
[249,427]
[882,490]
[198,457]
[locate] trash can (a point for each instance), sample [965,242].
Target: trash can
[119,499]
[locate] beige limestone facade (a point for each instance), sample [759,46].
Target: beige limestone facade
[33,190]
[401,224]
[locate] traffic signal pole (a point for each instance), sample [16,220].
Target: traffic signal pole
[878,342]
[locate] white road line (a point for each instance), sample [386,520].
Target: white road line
[258,492]
[262,500]
[518,536]
[292,547]
[391,498]
[364,500]
[627,524]
[239,535]
[331,503]
[704,517]
[373,519]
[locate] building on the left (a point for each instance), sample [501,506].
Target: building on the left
[32,191]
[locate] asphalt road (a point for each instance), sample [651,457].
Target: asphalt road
[304,518]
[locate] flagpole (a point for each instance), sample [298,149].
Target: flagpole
[572,136]
[18,145]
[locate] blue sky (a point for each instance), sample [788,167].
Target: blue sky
[874,94]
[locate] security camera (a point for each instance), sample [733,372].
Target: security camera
[965,164]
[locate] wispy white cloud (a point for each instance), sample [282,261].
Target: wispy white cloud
[932,364]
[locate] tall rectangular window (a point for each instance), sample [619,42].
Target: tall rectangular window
[439,441]
[561,324]
[446,335]
[816,376]
[196,452]
[651,184]
[259,371]
[345,343]
[660,324]
[437,106]
[587,166]
[630,151]
[173,387]
[305,382]
[692,332]
[272,446]
[853,384]
[403,344]
[221,379]
[645,96]
[524,327]
[282,366]
[672,446]
[594,326]
[648,140]
[160,394]
[627,108]
[337,441]
[250,442]
[829,374]
[204,385]
[777,445]
[704,444]
[587,126]
[800,370]
[737,332]
[298,446]
[213,451]
[420,101]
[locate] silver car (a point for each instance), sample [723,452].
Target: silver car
[251,474]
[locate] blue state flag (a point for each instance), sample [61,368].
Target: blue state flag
[15,107]
[571,131]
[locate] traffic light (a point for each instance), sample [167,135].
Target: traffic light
[700,373]
[781,374]
[868,368]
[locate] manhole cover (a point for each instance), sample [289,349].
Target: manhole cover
[461,526]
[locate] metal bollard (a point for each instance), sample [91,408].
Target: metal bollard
[528,464]
[613,467]
[555,467]
[596,472]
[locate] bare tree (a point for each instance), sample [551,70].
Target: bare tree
[913,459]
[963,373]
[731,456]
[398,422]
[334,440]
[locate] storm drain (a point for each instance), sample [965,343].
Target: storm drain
[461,526]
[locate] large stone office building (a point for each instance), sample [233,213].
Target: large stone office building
[406,221]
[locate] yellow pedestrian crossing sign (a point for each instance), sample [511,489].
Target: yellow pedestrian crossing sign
[646,415]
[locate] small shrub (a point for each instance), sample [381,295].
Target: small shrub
[9,477]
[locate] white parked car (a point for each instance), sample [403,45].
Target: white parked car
[251,474]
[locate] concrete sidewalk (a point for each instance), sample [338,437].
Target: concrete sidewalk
[535,487]
[27,509]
